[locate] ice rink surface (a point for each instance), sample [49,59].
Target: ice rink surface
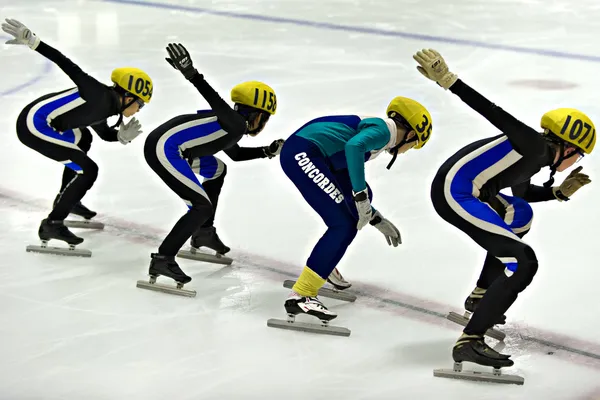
[75,328]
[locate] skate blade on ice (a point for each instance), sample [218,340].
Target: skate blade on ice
[293,325]
[495,377]
[194,254]
[325,292]
[158,287]
[86,224]
[61,251]
[462,320]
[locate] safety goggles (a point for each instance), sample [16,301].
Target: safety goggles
[140,103]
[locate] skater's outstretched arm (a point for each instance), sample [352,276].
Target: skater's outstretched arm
[231,121]
[74,72]
[23,36]
[525,139]
[373,134]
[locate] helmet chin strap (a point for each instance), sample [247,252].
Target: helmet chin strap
[123,108]
[554,166]
[394,150]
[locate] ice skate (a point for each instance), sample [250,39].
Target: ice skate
[50,229]
[471,304]
[82,211]
[337,281]
[162,265]
[206,237]
[472,348]
[302,305]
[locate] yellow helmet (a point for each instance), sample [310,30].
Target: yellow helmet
[134,81]
[256,95]
[571,126]
[415,114]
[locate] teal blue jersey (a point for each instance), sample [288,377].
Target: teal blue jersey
[348,141]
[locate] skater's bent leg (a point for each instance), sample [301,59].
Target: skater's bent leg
[83,140]
[86,173]
[306,167]
[518,215]
[200,210]
[59,147]
[68,175]
[325,256]
[177,173]
[214,171]
[503,292]
[488,229]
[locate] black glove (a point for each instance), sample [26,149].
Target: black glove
[180,59]
[274,148]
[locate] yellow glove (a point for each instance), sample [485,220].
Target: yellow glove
[434,67]
[571,184]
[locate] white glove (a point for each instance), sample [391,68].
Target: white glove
[274,148]
[129,131]
[434,67]
[21,34]
[363,207]
[391,233]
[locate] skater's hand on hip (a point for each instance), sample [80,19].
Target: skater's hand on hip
[274,148]
[180,59]
[575,181]
[433,66]
[391,233]
[363,207]
[22,35]
[129,131]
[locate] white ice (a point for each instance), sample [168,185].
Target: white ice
[79,328]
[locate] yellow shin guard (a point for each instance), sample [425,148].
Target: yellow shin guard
[309,283]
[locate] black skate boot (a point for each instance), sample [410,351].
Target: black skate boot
[207,237]
[83,211]
[79,209]
[473,300]
[296,304]
[50,229]
[472,348]
[166,266]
